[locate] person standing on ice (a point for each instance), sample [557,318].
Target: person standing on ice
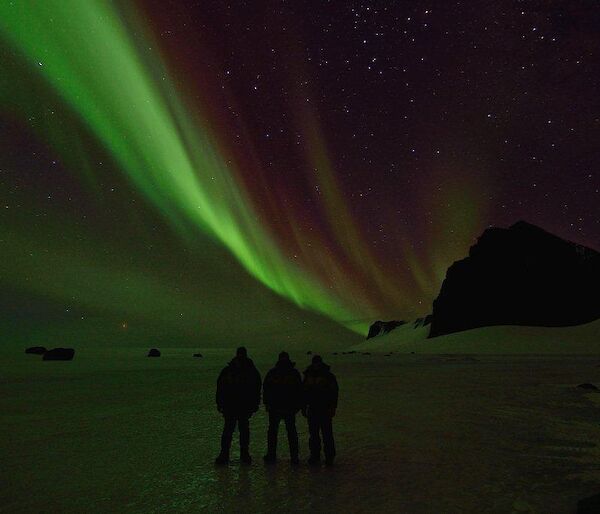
[321,396]
[283,397]
[238,397]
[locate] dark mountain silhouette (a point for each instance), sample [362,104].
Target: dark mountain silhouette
[521,275]
[380,328]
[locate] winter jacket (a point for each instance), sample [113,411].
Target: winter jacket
[320,390]
[282,389]
[238,388]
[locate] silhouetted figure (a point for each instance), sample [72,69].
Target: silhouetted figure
[321,396]
[283,397]
[238,397]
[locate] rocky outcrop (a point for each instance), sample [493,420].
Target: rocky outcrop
[59,354]
[522,275]
[422,322]
[380,328]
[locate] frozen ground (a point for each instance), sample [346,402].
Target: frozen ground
[114,431]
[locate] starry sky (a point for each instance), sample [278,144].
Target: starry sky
[183,168]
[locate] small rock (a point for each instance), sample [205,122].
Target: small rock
[198,355]
[308,352]
[366,353]
[587,387]
[59,354]
[154,352]
[36,350]
[522,506]
[589,505]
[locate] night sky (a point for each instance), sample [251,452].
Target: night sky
[193,166]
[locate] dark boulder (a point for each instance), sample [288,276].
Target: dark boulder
[587,387]
[36,350]
[521,275]
[198,355]
[380,328]
[59,354]
[589,505]
[154,352]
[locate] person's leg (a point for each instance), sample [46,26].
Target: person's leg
[292,434]
[244,428]
[226,436]
[314,439]
[274,420]
[328,442]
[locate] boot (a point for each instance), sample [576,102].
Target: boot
[314,460]
[245,456]
[222,459]
[269,458]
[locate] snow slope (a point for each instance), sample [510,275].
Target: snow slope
[582,339]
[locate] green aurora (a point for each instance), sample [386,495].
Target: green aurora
[88,60]
[98,61]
